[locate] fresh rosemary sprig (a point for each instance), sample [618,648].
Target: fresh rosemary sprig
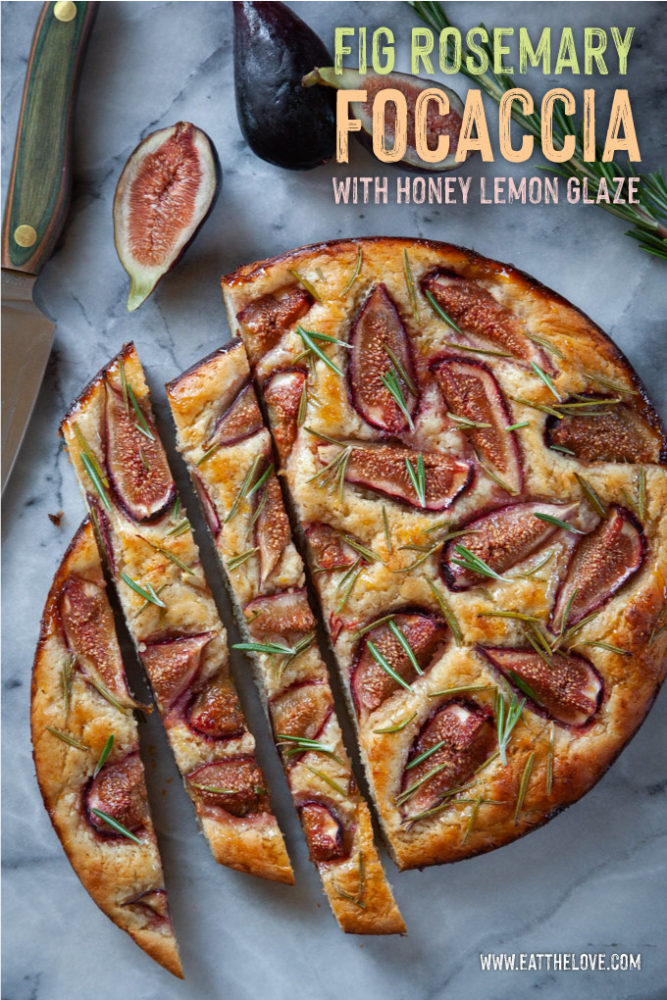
[523,786]
[115,825]
[439,311]
[66,738]
[372,625]
[410,284]
[475,564]
[541,374]
[93,470]
[299,744]
[405,645]
[425,755]
[524,687]
[400,368]
[310,338]
[106,750]
[557,523]
[333,473]
[379,659]
[362,550]
[648,218]
[347,583]
[507,717]
[392,384]
[270,648]
[399,727]
[417,478]
[148,593]
[355,273]
[308,285]
[247,488]
[241,558]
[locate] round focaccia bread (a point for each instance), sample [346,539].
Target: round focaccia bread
[497,458]
[93,786]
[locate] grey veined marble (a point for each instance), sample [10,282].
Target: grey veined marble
[593,880]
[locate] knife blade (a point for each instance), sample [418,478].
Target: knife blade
[36,209]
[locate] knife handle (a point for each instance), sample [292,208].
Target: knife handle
[39,186]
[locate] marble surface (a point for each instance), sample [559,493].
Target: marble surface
[593,879]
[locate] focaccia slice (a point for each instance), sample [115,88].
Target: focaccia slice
[86,751]
[229,456]
[496,457]
[171,615]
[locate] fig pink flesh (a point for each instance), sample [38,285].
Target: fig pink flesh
[266,319]
[301,710]
[503,538]
[282,395]
[90,632]
[172,665]
[329,547]
[215,711]
[137,465]
[324,832]
[235,785]
[481,317]
[569,690]
[383,469]
[602,562]
[471,391]
[280,615]
[377,328]
[272,528]
[371,684]
[240,420]
[468,737]
[119,790]
[614,434]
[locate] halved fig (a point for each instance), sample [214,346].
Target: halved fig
[239,421]
[381,349]
[437,123]
[301,710]
[119,790]
[272,527]
[283,392]
[605,433]
[480,317]
[207,505]
[90,633]
[268,318]
[383,469]
[281,615]
[324,832]
[164,194]
[153,903]
[504,538]
[467,735]
[568,690]
[471,391]
[136,461]
[602,562]
[235,785]
[371,683]
[172,665]
[282,122]
[216,712]
[329,547]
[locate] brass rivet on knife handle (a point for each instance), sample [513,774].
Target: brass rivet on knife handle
[64,10]
[25,236]
[39,185]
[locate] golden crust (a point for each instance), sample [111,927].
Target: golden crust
[251,844]
[629,620]
[113,871]
[197,398]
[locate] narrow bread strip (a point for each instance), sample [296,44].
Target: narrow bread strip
[225,445]
[171,615]
[73,724]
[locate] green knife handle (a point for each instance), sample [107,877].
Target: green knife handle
[39,187]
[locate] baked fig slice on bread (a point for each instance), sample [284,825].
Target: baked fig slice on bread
[169,610]
[465,450]
[265,579]
[86,749]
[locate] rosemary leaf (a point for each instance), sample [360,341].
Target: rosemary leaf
[407,648]
[496,478]
[478,350]
[550,760]
[417,478]
[541,374]
[467,423]
[238,560]
[517,427]
[547,345]
[562,449]
[524,687]
[412,388]
[379,659]
[148,594]
[310,343]
[410,284]
[179,529]
[507,717]
[106,694]
[368,554]
[556,521]
[591,495]
[442,314]
[387,533]
[358,900]
[447,613]
[523,786]
[95,479]
[168,555]
[270,648]
[598,644]
[425,755]
[393,386]
[347,590]
[106,750]
[142,422]
[473,817]
[66,738]
[372,625]
[355,273]
[475,564]
[399,727]
[303,405]
[115,825]
[243,489]
[207,454]
[310,288]
[462,689]
[66,681]
[641,494]
[327,779]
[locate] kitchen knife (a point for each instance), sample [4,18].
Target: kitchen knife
[36,209]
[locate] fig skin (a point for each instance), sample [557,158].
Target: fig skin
[410,86]
[282,122]
[196,151]
[618,435]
